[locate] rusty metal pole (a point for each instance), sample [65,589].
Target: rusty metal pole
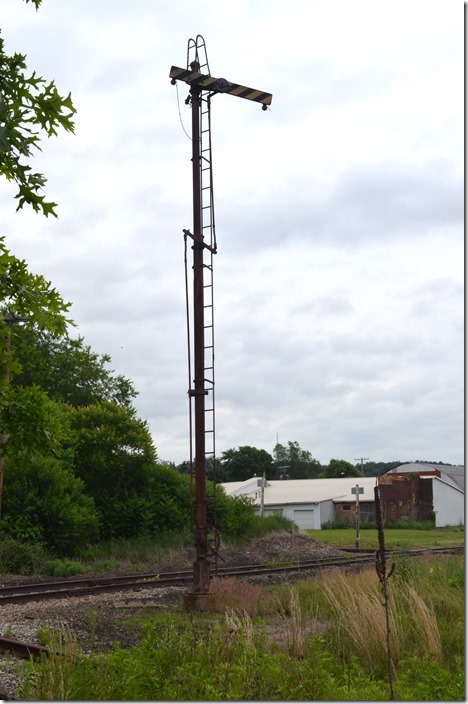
[201,567]
[199,597]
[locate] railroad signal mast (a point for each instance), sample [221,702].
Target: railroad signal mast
[202,87]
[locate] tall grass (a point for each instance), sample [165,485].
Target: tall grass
[140,553]
[232,656]
[359,620]
[257,526]
[135,553]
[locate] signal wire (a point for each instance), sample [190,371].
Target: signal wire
[180,114]
[189,366]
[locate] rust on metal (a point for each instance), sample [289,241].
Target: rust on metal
[22,649]
[202,84]
[199,602]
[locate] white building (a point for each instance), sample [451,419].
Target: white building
[307,502]
[312,502]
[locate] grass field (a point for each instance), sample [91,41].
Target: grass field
[394,537]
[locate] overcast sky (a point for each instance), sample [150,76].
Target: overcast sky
[339,212]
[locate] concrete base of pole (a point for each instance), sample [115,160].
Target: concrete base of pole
[198,602]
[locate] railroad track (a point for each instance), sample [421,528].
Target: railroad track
[16,594]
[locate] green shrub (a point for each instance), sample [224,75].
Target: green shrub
[408,523]
[337,524]
[45,504]
[237,520]
[270,524]
[226,660]
[17,557]
[422,678]
[63,568]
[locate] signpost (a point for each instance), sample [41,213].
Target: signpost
[357,490]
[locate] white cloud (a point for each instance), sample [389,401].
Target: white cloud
[339,279]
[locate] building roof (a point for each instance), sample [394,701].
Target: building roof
[299,491]
[452,474]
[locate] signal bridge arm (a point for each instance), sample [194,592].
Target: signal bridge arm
[219,85]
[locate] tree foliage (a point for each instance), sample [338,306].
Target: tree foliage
[44,503]
[245,461]
[68,369]
[30,107]
[341,468]
[25,295]
[375,469]
[291,460]
[114,455]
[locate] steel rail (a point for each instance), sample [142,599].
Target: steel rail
[87,586]
[22,649]
[91,582]
[147,577]
[58,590]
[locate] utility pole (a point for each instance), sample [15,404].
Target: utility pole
[357,490]
[262,494]
[202,86]
[362,460]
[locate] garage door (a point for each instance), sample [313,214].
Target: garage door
[305,518]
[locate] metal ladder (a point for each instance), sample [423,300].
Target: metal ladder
[196,51]
[209,234]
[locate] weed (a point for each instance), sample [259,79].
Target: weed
[63,568]
[293,622]
[43,635]
[337,524]
[239,626]
[17,557]
[233,593]
[422,678]
[279,562]
[229,657]
[425,622]
[406,523]
[51,679]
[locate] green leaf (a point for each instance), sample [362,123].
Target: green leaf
[29,109]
